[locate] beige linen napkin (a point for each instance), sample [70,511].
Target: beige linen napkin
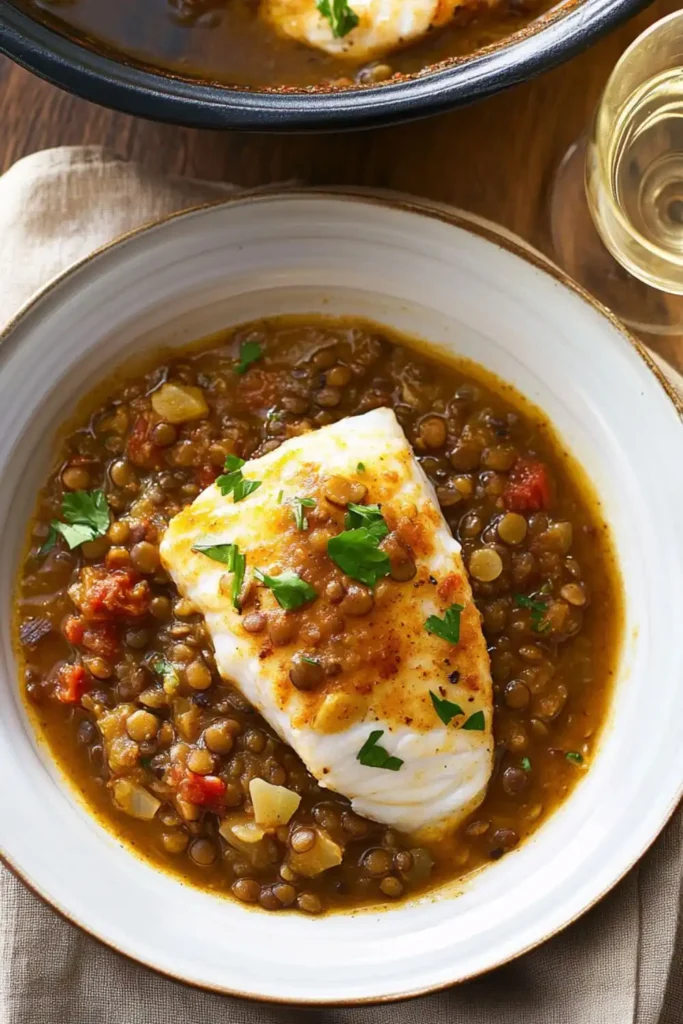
[620,964]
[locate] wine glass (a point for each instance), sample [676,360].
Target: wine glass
[616,207]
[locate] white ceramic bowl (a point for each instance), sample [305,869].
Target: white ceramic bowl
[426,273]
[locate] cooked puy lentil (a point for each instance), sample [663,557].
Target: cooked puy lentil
[120,672]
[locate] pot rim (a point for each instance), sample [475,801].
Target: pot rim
[560,34]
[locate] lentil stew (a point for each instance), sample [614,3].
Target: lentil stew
[227,42]
[119,671]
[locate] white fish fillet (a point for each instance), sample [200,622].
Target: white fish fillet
[383,25]
[395,662]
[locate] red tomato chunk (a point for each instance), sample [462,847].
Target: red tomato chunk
[142,452]
[206,790]
[100,638]
[72,683]
[111,593]
[528,487]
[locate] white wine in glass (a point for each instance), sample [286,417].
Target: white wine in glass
[618,195]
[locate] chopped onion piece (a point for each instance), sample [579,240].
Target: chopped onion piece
[179,403]
[273,805]
[135,800]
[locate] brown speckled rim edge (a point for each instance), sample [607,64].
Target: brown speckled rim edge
[500,237]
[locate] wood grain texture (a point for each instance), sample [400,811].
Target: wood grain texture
[496,158]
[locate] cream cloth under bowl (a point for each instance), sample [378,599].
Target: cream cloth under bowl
[622,963]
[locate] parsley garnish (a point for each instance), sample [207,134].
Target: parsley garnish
[49,541]
[475,722]
[298,506]
[237,566]
[538,607]
[229,555]
[445,709]
[217,550]
[169,676]
[290,590]
[311,661]
[369,516]
[280,496]
[357,553]
[250,351]
[86,517]
[361,467]
[574,757]
[447,628]
[526,764]
[340,16]
[374,756]
[233,482]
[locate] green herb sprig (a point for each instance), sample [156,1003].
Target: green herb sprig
[368,516]
[373,756]
[447,710]
[289,590]
[250,352]
[538,607]
[357,553]
[298,506]
[448,628]
[86,517]
[230,556]
[233,482]
[169,677]
[341,17]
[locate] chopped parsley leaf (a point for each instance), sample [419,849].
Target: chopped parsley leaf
[340,16]
[475,722]
[373,756]
[49,541]
[538,607]
[86,517]
[289,590]
[229,555]
[280,496]
[369,516]
[357,553]
[298,506]
[237,566]
[445,709]
[574,757]
[250,352]
[311,661]
[219,551]
[361,467]
[526,764]
[169,676]
[447,628]
[233,482]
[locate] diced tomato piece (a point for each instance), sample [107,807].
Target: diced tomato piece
[73,629]
[72,683]
[528,487]
[111,593]
[141,449]
[207,790]
[205,476]
[102,638]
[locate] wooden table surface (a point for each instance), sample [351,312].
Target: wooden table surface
[496,158]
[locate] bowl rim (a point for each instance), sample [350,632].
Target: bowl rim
[562,33]
[490,232]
